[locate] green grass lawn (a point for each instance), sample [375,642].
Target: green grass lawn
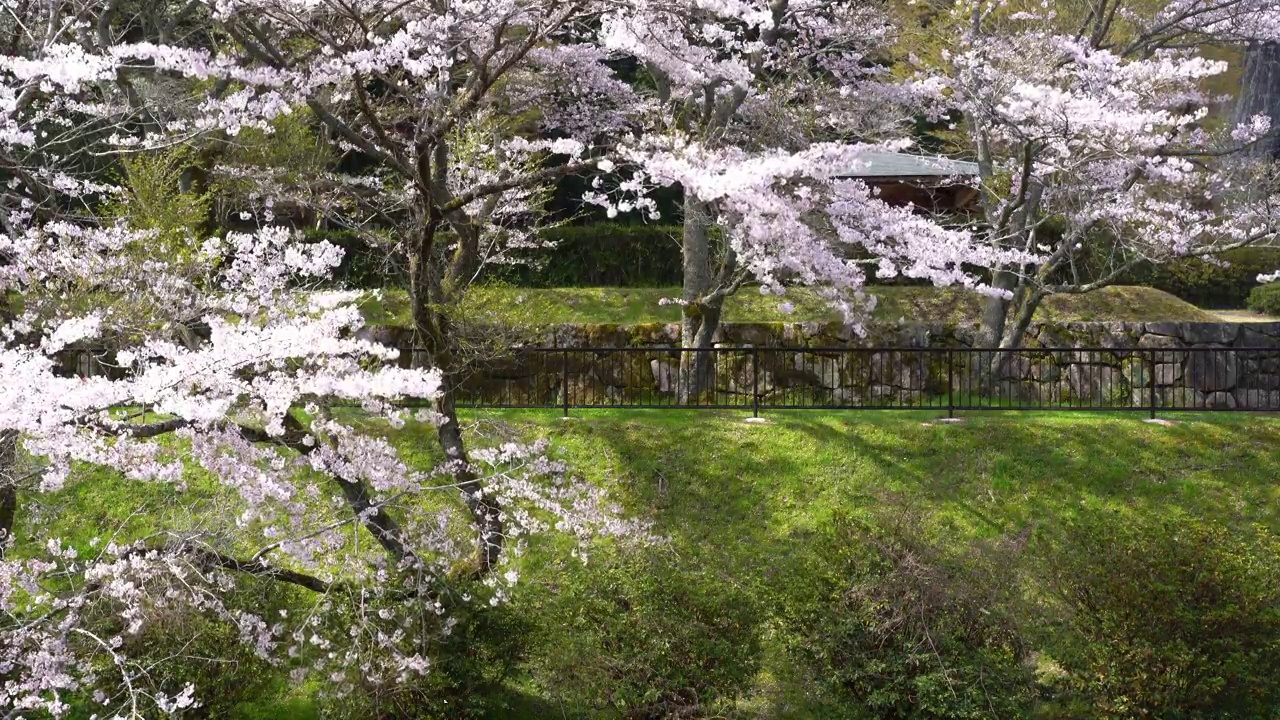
[987,475]
[741,502]
[908,304]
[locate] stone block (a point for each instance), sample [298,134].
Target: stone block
[665,375]
[1165,345]
[1200,333]
[1168,373]
[1212,371]
[1181,398]
[1257,399]
[1220,400]
[1097,384]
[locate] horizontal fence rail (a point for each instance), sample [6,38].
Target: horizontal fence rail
[1150,380]
[1147,380]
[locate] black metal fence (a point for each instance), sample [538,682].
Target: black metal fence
[1149,380]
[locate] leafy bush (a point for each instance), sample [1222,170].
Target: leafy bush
[470,667]
[605,255]
[898,627]
[363,267]
[1225,284]
[1169,619]
[630,633]
[1265,299]
[181,645]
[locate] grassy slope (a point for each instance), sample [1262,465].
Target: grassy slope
[988,475]
[912,304]
[738,498]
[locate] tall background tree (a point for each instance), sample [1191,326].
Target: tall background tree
[1092,127]
[761,111]
[1260,93]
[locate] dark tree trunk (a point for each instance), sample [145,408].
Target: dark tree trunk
[1260,93]
[995,310]
[1027,301]
[8,486]
[485,512]
[433,349]
[700,320]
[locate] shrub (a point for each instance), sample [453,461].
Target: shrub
[1169,619]
[631,633]
[470,667]
[902,628]
[180,645]
[604,255]
[363,267]
[1265,299]
[1225,284]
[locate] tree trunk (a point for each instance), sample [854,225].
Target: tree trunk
[699,320]
[995,310]
[485,512]
[1028,303]
[1260,93]
[432,349]
[8,486]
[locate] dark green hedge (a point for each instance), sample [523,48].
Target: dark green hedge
[1208,284]
[616,255]
[362,267]
[602,256]
[583,256]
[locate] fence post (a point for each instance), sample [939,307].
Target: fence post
[951,402]
[564,381]
[755,383]
[1152,385]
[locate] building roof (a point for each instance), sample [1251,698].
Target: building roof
[902,165]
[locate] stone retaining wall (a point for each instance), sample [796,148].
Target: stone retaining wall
[1195,365]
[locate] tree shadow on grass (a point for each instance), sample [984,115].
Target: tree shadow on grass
[1003,473]
[748,503]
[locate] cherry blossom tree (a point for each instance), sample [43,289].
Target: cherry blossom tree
[762,111]
[1097,147]
[219,374]
[444,119]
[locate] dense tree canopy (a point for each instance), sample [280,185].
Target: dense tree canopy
[435,129]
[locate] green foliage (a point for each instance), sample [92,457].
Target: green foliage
[635,633]
[1172,618]
[607,254]
[292,149]
[181,645]
[363,266]
[156,198]
[1217,284]
[471,666]
[900,626]
[580,256]
[1265,299]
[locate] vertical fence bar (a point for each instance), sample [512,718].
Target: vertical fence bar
[1152,385]
[564,382]
[755,383]
[951,399]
